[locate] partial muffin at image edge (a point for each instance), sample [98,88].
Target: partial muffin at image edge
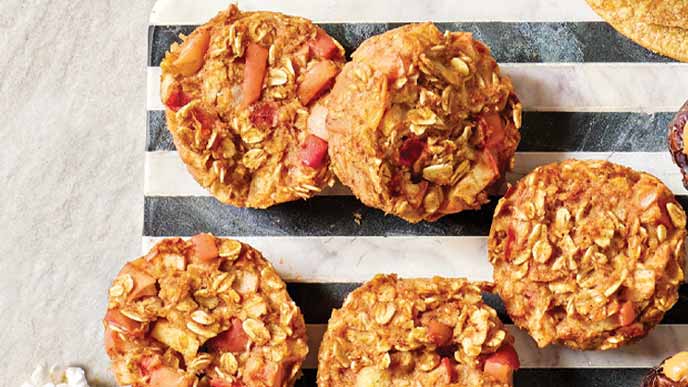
[242,99]
[660,26]
[422,124]
[673,372]
[678,138]
[588,254]
[205,311]
[420,332]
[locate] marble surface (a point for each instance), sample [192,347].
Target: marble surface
[71,171]
[72,90]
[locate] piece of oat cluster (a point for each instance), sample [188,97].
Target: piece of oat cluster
[678,138]
[673,372]
[421,123]
[588,254]
[416,332]
[203,312]
[242,99]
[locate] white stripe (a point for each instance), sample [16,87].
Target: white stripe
[166,175]
[198,12]
[570,87]
[153,86]
[661,343]
[357,259]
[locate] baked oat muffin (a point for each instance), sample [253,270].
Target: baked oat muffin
[588,254]
[658,25]
[416,332]
[678,136]
[421,123]
[242,94]
[673,372]
[203,312]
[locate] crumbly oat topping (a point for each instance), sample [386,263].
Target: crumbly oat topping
[412,332]
[239,93]
[422,123]
[206,311]
[589,254]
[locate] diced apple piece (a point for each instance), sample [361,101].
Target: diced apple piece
[113,343]
[232,340]
[317,122]
[148,364]
[509,243]
[410,151]
[172,94]
[254,73]
[502,364]
[488,159]
[507,354]
[627,314]
[205,248]
[439,333]
[264,115]
[192,54]
[493,128]
[315,80]
[176,338]
[114,318]
[144,284]
[313,151]
[500,372]
[273,374]
[246,282]
[169,377]
[221,383]
[449,369]
[324,46]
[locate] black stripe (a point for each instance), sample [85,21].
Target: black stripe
[319,216]
[551,377]
[525,42]
[158,137]
[594,132]
[541,132]
[317,300]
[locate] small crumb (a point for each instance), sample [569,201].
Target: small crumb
[57,377]
[358,217]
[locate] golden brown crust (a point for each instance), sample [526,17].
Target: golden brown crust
[421,123]
[225,317]
[658,25]
[383,334]
[588,253]
[247,156]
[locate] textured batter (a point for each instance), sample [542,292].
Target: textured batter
[207,311]
[588,254]
[421,123]
[416,332]
[242,96]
